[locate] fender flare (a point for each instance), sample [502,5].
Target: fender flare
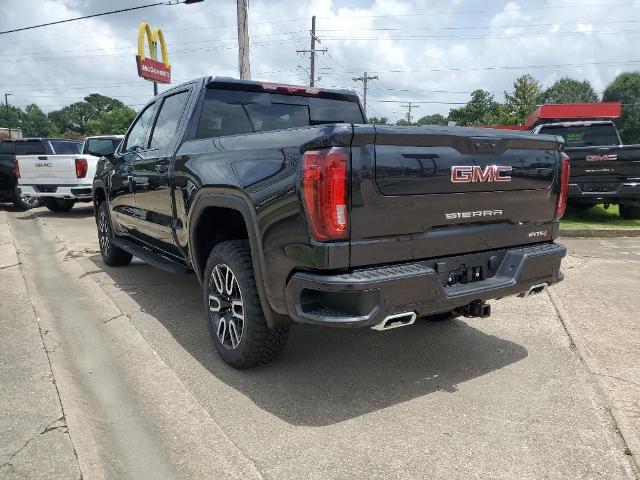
[233,201]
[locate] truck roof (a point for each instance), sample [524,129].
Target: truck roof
[269,87]
[557,112]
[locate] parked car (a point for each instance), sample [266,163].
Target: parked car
[9,172]
[289,208]
[603,170]
[61,180]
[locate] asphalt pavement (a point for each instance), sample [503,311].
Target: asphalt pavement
[548,387]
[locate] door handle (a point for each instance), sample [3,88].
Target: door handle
[161,168]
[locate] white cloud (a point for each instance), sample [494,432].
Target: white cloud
[422,50]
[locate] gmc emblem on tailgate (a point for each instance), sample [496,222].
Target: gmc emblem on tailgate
[43,164]
[475,173]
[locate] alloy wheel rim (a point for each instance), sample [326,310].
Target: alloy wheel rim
[103,231]
[226,307]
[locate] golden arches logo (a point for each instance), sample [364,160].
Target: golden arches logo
[149,67]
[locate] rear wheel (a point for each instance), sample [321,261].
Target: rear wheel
[234,314]
[629,212]
[24,202]
[59,205]
[111,255]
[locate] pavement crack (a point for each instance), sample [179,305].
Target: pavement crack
[624,380]
[120,315]
[47,353]
[9,266]
[576,350]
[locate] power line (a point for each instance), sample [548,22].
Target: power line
[499,67]
[476,12]
[58,22]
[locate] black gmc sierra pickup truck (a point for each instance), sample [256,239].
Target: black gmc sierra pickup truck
[602,169]
[289,208]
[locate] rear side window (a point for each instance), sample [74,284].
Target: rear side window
[584,135]
[168,119]
[65,148]
[138,132]
[29,147]
[8,148]
[227,112]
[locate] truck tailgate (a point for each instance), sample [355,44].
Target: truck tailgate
[443,191]
[47,169]
[600,164]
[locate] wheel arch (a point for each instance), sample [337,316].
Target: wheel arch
[237,207]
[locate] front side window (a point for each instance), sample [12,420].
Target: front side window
[168,119]
[137,134]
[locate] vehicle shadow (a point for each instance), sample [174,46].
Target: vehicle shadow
[78,211]
[324,375]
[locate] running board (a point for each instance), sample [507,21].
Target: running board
[149,257]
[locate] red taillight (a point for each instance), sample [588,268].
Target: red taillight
[324,190]
[16,168]
[289,89]
[81,167]
[564,186]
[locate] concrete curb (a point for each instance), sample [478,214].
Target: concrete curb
[600,232]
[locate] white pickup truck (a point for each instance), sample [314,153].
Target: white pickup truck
[62,180]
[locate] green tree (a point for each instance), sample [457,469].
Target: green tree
[379,121]
[76,117]
[625,88]
[35,123]
[482,109]
[11,117]
[435,119]
[113,122]
[403,123]
[524,99]
[569,90]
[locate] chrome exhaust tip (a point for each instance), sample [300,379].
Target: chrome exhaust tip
[534,289]
[396,320]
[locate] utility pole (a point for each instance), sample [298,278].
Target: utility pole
[312,51]
[364,79]
[244,65]
[409,106]
[6,102]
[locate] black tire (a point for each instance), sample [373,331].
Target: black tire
[238,310]
[441,317]
[629,212]
[111,255]
[24,203]
[59,205]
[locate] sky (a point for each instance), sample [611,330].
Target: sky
[432,52]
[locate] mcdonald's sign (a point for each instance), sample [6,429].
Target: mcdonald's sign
[149,67]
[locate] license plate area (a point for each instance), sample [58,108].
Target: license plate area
[469,268]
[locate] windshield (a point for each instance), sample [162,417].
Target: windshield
[61,147]
[23,147]
[584,135]
[227,112]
